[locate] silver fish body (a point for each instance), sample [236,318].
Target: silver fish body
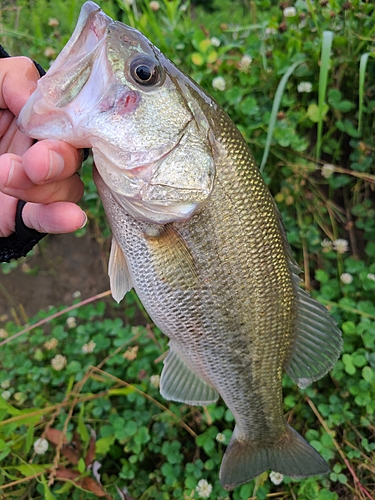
[196,233]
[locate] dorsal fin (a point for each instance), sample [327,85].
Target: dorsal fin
[318,342]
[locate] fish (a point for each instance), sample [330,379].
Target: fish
[196,233]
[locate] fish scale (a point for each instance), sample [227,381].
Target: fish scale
[196,233]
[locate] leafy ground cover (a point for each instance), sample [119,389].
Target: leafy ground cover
[83,419]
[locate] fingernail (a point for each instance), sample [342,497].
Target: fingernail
[56,165]
[84,224]
[15,163]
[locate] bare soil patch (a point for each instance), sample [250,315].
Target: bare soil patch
[62,266]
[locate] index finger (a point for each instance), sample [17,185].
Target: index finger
[18,77]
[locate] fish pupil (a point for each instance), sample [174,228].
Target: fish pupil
[145,71]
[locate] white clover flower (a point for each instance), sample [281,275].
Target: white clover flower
[155,6]
[341,245]
[155,381]
[203,489]
[346,278]
[49,52]
[131,353]
[304,87]
[327,170]
[371,276]
[290,12]
[53,22]
[215,41]
[276,477]
[326,244]
[3,334]
[20,397]
[51,344]
[219,83]
[245,62]
[76,294]
[71,322]
[6,395]
[220,438]
[270,31]
[40,446]
[58,362]
[5,384]
[89,347]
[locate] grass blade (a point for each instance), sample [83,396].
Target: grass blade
[325,60]
[362,74]
[275,110]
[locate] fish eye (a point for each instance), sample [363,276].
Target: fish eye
[145,71]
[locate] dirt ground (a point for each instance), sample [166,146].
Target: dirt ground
[63,265]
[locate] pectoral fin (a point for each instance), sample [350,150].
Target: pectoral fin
[179,383]
[118,272]
[318,342]
[174,264]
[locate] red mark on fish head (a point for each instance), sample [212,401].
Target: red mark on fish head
[126,39]
[122,104]
[106,103]
[127,102]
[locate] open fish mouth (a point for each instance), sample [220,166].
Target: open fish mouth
[54,106]
[91,29]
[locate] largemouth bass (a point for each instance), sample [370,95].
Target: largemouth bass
[196,233]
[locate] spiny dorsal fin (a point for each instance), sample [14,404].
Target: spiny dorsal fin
[179,383]
[118,272]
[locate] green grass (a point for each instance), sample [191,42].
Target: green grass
[325,62]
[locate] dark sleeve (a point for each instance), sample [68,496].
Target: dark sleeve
[24,239]
[12,247]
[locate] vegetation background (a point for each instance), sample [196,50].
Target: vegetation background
[80,412]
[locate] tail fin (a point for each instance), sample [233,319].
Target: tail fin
[293,457]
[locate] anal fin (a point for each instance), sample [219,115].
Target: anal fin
[179,383]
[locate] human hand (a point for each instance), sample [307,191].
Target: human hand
[41,174]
